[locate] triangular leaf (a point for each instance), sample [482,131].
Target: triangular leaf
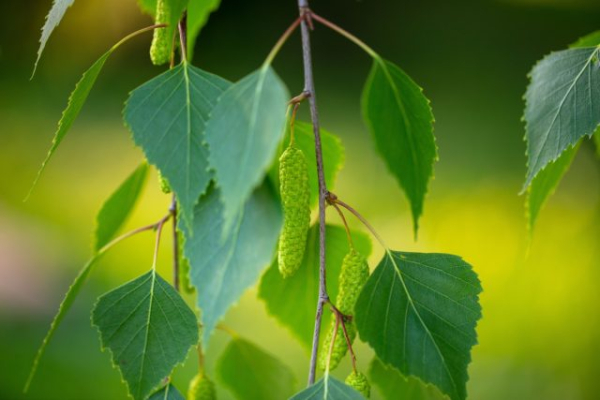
[169,392]
[243,133]
[222,269]
[148,329]
[77,100]
[251,373]
[392,385]
[293,300]
[333,154]
[545,183]
[401,122]
[328,388]
[167,117]
[559,105]
[56,14]
[64,307]
[418,312]
[116,209]
[197,16]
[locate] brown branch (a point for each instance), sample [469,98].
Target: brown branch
[309,88]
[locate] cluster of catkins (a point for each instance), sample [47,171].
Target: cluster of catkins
[295,196]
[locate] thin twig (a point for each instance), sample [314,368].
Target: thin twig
[331,345]
[134,232]
[281,41]
[157,243]
[309,88]
[183,36]
[346,34]
[343,318]
[346,227]
[363,220]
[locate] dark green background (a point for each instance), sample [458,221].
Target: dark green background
[540,335]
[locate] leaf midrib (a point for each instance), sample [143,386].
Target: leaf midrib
[412,304]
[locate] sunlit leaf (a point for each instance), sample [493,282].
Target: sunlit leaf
[169,392]
[197,16]
[167,118]
[302,289]
[76,101]
[56,14]
[333,154]
[116,209]
[401,122]
[328,388]
[148,329]
[243,133]
[418,312]
[545,183]
[559,108]
[222,269]
[392,385]
[591,40]
[251,373]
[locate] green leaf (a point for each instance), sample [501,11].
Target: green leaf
[56,14]
[333,154]
[197,16]
[328,388]
[559,105]
[293,300]
[419,312]
[167,119]
[148,329]
[119,205]
[65,306]
[243,133]
[251,373]
[545,183]
[76,101]
[393,385]
[169,392]
[591,40]
[401,122]
[222,269]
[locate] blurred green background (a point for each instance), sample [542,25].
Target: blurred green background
[540,334]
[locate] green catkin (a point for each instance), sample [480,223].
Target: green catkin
[164,184]
[184,267]
[160,50]
[353,276]
[295,196]
[359,382]
[202,388]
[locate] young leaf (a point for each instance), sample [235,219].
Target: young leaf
[64,307]
[559,105]
[251,373]
[591,40]
[222,269]
[328,388]
[243,132]
[333,152]
[119,205]
[545,183]
[197,16]
[76,102]
[167,119]
[169,392]
[418,312]
[56,14]
[148,329]
[293,300]
[392,385]
[401,122]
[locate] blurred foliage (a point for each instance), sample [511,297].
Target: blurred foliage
[540,333]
